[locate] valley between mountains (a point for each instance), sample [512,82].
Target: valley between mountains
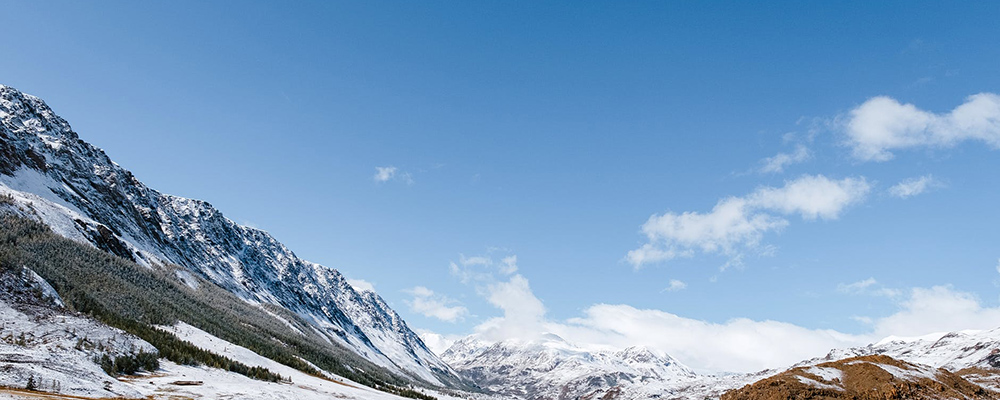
[112,289]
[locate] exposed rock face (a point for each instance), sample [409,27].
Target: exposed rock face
[952,351]
[76,189]
[862,378]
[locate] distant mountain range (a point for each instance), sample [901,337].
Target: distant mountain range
[552,368]
[959,365]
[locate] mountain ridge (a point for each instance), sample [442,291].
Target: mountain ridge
[549,367]
[82,194]
[540,369]
[863,377]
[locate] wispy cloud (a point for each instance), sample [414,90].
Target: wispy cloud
[914,186]
[856,287]
[433,305]
[882,125]
[385,174]
[778,162]
[736,224]
[482,267]
[498,282]
[869,287]
[674,285]
[508,265]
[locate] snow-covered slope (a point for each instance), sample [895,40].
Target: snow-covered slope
[76,189]
[952,351]
[864,377]
[53,348]
[218,384]
[551,368]
[974,354]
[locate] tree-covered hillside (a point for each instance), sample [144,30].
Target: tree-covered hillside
[137,299]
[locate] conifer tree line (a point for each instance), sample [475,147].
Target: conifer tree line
[139,300]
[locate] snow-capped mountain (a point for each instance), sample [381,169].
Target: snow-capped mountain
[82,194]
[952,350]
[864,377]
[974,354]
[552,368]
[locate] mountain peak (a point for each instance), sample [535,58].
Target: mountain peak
[548,366]
[82,194]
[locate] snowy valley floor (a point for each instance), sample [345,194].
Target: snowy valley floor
[45,345]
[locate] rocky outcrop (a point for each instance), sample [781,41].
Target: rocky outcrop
[873,377]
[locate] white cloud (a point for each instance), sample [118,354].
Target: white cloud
[385,174]
[913,186]
[503,288]
[475,260]
[361,285]
[856,287]
[778,162]
[739,223]
[736,261]
[869,287]
[741,344]
[924,311]
[736,345]
[523,313]
[675,285]
[650,253]
[426,302]
[481,268]
[508,265]
[937,309]
[463,274]
[731,222]
[437,342]
[881,125]
[812,196]
[516,299]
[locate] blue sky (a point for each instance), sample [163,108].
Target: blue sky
[553,132]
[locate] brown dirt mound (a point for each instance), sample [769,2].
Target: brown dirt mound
[863,378]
